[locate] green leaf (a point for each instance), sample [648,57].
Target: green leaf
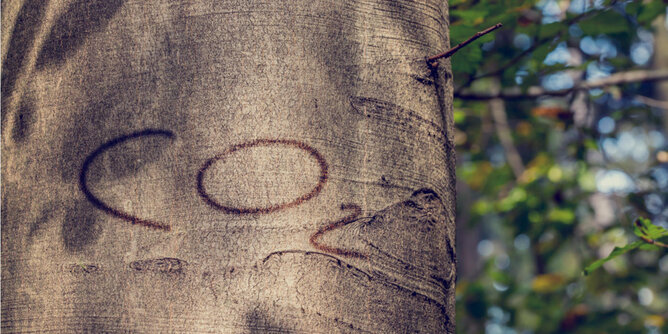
[461,33]
[459,116]
[649,247]
[643,227]
[468,16]
[554,68]
[650,11]
[561,215]
[551,29]
[541,52]
[467,59]
[607,22]
[615,253]
[633,7]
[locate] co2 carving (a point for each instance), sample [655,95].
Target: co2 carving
[201,189]
[314,240]
[98,203]
[201,186]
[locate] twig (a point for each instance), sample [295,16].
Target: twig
[652,102]
[530,50]
[516,93]
[432,61]
[653,242]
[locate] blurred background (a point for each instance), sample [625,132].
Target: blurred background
[562,123]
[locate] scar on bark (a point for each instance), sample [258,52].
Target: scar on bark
[166,265]
[314,240]
[201,189]
[83,268]
[393,114]
[98,203]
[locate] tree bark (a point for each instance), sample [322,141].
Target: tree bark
[236,167]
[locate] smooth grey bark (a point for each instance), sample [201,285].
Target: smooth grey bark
[226,166]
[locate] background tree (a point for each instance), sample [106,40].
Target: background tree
[244,166]
[561,138]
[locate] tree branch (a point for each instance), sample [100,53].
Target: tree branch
[530,50]
[653,242]
[652,102]
[515,93]
[497,108]
[432,61]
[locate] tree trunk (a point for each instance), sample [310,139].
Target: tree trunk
[226,166]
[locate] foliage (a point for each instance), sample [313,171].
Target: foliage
[591,162]
[643,228]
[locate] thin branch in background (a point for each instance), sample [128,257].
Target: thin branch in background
[652,102]
[526,52]
[535,45]
[516,93]
[432,61]
[498,110]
